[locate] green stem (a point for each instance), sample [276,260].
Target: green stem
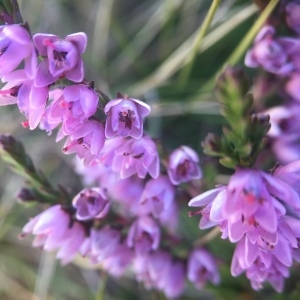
[243,45]
[197,42]
[101,288]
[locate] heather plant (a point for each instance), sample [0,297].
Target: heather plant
[129,210]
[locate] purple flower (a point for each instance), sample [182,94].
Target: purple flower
[143,235]
[251,204]
[63,57]
[136,156]
[270,53]
[31,100]
[293,16]
[158,195]
[174,280]
[16,46]
[290,174]
[53,230]
[91,203]
[201,268]
[212,202]
[73,108]
[284,132]
[160,271]
[103,242]
[263,265]
[183,165]
[125,117]
[87,142]
[116,263]
[292,86]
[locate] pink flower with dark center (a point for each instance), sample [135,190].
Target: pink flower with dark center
[143,235]
[62,57]
[183,165]
[201,268]
[285,131]
[91,203]
[16,46]
[271,53]
[87,142]
[31,100]
[73,108]
[158,195]
[136,156]
[125,117]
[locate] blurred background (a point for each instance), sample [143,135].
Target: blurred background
[147,50]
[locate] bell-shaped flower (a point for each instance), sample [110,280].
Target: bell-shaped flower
[116,263]
[183,165]
[31,100]
[292,16]
[53,231]
[260,265]
[16,46]
[271,53]
[202,267]
[87,142]
[125,117]
[62,57]
[158,195]
[175,280]
[103,242]
[73,108]
[136,156]
[143,235]
[91,203]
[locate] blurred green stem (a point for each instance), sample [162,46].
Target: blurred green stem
[247,40]
[208,237]
[243,45]
[101,288]
[197,42]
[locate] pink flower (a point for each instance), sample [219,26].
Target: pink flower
[158,195]
[125,117]
[136,156]
[73,108]
[293,16]
[102,242]
[183,165]
[117,261]
[143,235]
[201,268]
[272,54]
[54,230]
[16,46]
[31,100]
[91,203]
[63,57]
[87,142]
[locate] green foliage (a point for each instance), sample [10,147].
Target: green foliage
[241,143]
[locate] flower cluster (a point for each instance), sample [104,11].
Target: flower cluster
[278,55]
[128,214]
[254,211]
[129,189]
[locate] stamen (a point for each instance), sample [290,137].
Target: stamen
[126,117]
